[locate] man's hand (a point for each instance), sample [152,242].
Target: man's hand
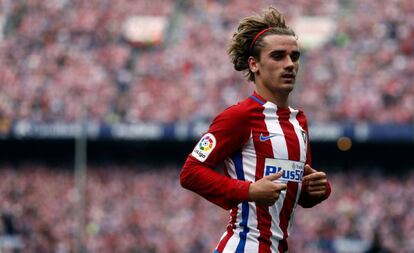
[266,192]
[315,182]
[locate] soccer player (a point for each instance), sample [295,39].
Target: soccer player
[262,142]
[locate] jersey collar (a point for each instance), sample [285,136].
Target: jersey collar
[259,99]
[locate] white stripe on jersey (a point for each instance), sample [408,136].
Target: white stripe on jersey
[249,163]
[234,239]
[277,233]
[249,160]
[231,168]
[252,243]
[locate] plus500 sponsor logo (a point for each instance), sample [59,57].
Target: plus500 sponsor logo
[294,175]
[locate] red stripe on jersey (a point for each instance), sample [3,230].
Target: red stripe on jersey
[293,149]
[263,149]
[230,230]
[291,138]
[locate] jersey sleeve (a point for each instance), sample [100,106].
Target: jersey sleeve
[305,200]
[227,134]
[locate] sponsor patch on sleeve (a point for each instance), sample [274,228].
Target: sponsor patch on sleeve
[204,147]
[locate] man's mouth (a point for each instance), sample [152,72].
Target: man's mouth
[288,75]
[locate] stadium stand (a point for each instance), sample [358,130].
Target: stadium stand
[60,55]
[124,212]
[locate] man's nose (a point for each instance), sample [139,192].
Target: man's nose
[289,63]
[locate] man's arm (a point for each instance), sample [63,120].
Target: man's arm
[315,185]
[227,135]
[213,186]
[226,192]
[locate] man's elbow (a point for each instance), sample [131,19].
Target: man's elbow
[306,201]
[188,175]
[308,205]
[184,177]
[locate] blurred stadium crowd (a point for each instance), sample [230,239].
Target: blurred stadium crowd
[148,212]
[56,56]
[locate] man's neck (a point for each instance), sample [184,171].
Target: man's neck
[280,99]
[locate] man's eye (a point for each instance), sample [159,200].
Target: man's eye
[294,56]
[278,57]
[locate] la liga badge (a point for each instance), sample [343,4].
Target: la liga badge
[204,147]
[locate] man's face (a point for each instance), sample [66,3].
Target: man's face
[279,63]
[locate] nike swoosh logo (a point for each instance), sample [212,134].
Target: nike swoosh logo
[265,138]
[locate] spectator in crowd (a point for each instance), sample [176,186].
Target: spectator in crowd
[57,56]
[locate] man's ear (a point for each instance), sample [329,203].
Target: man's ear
[253,64]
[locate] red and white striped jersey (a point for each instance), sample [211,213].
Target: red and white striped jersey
[251,139]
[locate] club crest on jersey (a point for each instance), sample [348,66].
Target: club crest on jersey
[304,136]
[204,147]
